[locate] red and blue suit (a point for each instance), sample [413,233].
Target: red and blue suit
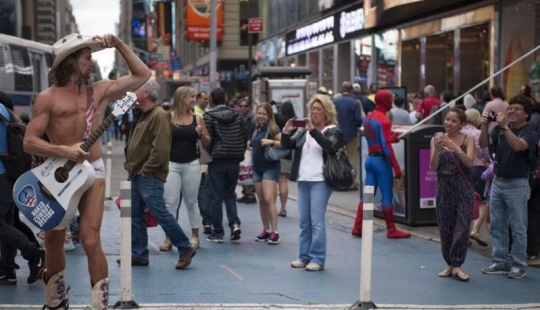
[380,162]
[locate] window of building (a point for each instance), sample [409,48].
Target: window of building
[363,65]
[386,57]
[314,66]
[328,68]
[248,9]
[520,34]
[440,61]
[273,20]
[410,65]
[474,56]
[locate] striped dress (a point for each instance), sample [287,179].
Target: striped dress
[454,207]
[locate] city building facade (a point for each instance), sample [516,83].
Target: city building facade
[453,45]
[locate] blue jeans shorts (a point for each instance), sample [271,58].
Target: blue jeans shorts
[270,174]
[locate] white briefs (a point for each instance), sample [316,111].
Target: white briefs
[99,168]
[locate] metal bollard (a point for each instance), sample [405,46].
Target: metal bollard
[108,170]
[365,302]
[126,296]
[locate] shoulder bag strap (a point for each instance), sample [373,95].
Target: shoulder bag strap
[462,173]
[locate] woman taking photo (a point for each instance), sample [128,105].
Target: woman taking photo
[312,143]
[266,172]
[452,155]
[185,173]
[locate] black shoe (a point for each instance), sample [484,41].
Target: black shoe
[8,277]
[242,199]
[250,200]
[136,261]
[236,232]
[207,229]
[36,265]
[215,238]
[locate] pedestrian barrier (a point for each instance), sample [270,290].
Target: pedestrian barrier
[126,297]
[108,170]
[367,252]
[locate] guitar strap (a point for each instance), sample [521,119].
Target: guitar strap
[89,111]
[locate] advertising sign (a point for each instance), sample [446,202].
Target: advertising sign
[341,26]
[294,95]
[198,19]
[255,25]
[427,181]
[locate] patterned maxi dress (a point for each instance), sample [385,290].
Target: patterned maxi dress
[454,207]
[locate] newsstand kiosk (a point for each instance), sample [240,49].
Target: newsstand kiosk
[414,195]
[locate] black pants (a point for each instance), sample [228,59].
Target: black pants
[11,238]
[533,216]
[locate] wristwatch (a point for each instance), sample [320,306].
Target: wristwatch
[505,128]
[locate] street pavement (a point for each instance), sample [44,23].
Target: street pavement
[251,275]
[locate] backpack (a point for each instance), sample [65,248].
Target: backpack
[16,161]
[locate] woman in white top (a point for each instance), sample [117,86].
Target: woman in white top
[312,143]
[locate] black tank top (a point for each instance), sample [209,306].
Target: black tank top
[184,143]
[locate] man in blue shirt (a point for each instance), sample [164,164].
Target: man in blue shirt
[349,119]
[11,239]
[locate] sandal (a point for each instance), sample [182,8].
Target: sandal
[476,237]
[461,276]
[282,213]
[445,273]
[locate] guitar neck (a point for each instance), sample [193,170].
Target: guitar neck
[93,138]
[98,132]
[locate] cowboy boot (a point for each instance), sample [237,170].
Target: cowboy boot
[391,231]
[56,292]
[166,246]
[100,295]
[357,229]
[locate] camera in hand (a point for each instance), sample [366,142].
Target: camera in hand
[299,123]
[492,117]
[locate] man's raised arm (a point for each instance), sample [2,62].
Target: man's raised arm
[139,72]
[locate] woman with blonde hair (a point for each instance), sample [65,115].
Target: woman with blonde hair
[312,143]
[185,173]
[266,172]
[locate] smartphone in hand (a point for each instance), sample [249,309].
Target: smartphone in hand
[299,123]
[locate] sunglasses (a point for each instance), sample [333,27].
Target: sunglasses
[244,106]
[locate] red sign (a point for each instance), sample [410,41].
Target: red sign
[202,33]
[255,25]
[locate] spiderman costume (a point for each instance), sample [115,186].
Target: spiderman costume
[379,163]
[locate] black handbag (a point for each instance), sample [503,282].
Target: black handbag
[337,171]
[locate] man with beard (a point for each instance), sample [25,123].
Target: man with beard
[68,113]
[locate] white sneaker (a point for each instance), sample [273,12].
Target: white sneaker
[298,264]
[314,267]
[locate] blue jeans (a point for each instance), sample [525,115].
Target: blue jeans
[312,202]
[203,198]
[508,207]
[148,191]
[222,180]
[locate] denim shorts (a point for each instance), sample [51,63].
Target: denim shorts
[270,174]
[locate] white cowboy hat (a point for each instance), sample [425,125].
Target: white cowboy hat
[70,44]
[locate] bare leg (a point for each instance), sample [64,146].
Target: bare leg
[91,211]
[55,259]
[262,206]
[269,191]
[283,191]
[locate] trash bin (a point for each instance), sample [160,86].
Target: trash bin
[414,195]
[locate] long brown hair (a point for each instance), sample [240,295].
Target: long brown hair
[179,99]
[271,124]
[67,68]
